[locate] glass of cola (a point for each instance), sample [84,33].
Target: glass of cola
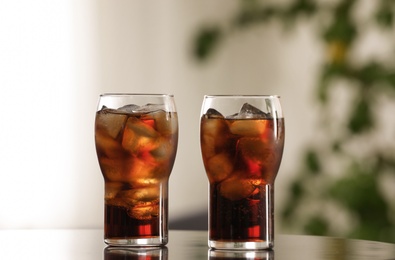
[136,138]
[242,141]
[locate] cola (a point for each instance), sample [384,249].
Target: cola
[136,148]
[241,154]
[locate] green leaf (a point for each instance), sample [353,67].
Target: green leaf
[370,73]
[312,162]
[385,14]
[299,7]
[297,190]
[337,146]
[296,194]
[390,79]
[254,16]
[343,28]
[359,191]
[316,225]
[330,72]
[206,41]
[361,118]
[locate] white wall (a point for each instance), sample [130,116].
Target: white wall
[58,56]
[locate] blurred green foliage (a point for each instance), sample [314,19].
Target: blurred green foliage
[338,190]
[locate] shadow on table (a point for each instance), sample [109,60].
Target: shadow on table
[197,221]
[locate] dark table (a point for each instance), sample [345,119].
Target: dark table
[88,244]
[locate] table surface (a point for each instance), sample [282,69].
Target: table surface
[88,244]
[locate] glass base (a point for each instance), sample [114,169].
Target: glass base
[136,242]
[240,245]
[242,254]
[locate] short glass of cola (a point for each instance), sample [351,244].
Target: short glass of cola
[242,140]
[136,139]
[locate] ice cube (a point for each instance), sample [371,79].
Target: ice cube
[142,203]
[219,167]
[118,202]
[114,169]
[110,122]
[144,212]
[166,123]
[236,187]
[142,127]
[260,159]
[249,127]
[106,145]
[248,111]
[214,127]
[112,189]
[131,108]
[139,136]
[255,149]
[139,196]
[112,195]
[212,113]
[147,108]
[142,172]
[214,135]
[163,152]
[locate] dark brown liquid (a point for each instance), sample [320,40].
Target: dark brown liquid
[241,158]
[245,219]
[136,152]
[118,224]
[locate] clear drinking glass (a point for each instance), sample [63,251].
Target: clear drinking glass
[242,140]
[136,139]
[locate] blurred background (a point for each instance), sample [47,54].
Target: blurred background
[332,63]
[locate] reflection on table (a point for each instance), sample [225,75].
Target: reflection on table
[190,245]
[121,253]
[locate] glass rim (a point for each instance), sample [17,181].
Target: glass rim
[242,96]
[135,94]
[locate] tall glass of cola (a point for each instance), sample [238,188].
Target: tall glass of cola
[136,139]
[242,140]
